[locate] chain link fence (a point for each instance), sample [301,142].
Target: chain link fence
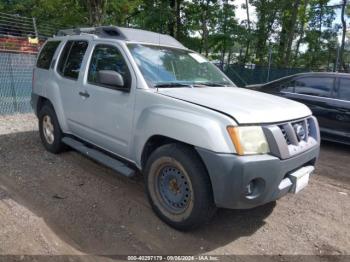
[15,82]
[20,40]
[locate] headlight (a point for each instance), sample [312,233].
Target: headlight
[248,140]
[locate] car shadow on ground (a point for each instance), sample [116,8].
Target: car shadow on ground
[334,161]
[334,146]
[97,211]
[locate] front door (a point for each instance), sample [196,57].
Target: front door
[110,107]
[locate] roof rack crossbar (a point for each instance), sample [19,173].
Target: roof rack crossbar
[101,31]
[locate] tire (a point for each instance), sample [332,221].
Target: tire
[178,187]
[50,132]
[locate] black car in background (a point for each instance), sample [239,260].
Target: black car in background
[326,94]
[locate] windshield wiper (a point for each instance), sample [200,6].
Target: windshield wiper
[171,84]
[208,84]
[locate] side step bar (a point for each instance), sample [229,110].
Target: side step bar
[100,157]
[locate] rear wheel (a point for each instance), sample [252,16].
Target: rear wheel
[178,187]
[49,129]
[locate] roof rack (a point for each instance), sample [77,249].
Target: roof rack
[123,33]
[101,31]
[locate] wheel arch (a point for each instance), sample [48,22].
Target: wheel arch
[155,142]
[41,101]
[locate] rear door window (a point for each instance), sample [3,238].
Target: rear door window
[315,86]
[72,56]
[344,89]
[46,54]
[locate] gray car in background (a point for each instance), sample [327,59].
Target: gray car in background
[140,101]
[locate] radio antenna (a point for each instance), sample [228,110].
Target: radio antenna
[160,29]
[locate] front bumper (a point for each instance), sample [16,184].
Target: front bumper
[230,174]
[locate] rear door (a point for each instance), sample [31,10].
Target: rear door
[317,93]
[69,78]
[342,103]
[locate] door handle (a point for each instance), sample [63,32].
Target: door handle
[84,94]
[344,110]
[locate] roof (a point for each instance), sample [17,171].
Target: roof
[310,74]
[333,74]
[126,34]
[322,74]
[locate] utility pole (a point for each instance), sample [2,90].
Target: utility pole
[335,68]
[35,28]
[269,67]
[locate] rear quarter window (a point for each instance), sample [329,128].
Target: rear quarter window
[46,54]
[344,89]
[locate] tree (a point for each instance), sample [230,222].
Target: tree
[343,21]
[303,16]
[267,14]
[248,34]
[96,9]
[288,21]
[175,19]
[318,33]
[299,33]
[202,20]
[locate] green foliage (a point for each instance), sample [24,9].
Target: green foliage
[299,33]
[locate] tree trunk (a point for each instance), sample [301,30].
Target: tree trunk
[205,30]
[302,30]
[172,24]
[264,35]
[96,9]
[224,30]
[178,19]
[290,12]
[291,32]
[341,53]
[249,32]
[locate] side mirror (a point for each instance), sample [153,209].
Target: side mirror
[110,78]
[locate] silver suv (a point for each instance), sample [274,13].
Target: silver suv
[140,101]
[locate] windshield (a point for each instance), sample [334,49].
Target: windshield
[170,67]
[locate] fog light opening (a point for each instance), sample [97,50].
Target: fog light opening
[254,188]
[249,188]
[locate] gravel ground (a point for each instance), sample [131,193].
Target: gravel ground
[69,205]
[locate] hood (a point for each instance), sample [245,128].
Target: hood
[245,106]
[256,87]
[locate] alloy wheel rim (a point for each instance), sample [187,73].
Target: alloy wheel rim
[48,129]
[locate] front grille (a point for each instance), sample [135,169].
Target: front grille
[291,138]
[308,127]
[295,132]
[301,125]
[284,132]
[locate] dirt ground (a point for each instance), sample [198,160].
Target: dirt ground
[69,205]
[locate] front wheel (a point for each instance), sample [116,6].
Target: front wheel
[179,187]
